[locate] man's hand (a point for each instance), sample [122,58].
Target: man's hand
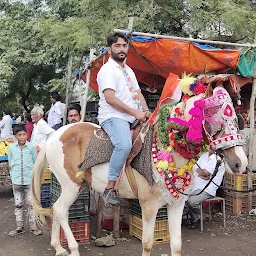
[148,114]
[203,174]
[139,115]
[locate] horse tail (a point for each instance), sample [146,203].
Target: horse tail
[39,167]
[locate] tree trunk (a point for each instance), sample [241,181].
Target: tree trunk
[24,96]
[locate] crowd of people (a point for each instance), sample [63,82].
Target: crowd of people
[28,135]
[37,119]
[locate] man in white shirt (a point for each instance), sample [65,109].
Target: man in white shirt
[6,123]
[202,175]
[56,112]
[41,130]
[120,104]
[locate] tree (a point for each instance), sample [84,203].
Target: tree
[37,37]
[229,20]
[26,64]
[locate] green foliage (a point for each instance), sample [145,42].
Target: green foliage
[37,37]
[163,115]
[228,20]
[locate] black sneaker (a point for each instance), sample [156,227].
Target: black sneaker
[110,196]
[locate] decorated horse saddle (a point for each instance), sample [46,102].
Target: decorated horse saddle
[100,150]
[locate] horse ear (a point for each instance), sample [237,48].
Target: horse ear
[209,91]
[240,121]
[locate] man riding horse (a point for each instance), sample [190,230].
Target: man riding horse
[121,102]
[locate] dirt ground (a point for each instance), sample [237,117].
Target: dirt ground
[238,239]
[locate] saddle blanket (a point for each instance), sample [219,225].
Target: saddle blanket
[101,148]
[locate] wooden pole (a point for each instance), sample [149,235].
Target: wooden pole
[185,39]
[130,24]
[252,120]
[99,217]
[69,84]
[252,156]
[88,76]
[116,221]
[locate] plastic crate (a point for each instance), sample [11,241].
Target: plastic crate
[45,191]
[237,203]
[4,174]
[56,188]
[46,176]
[46,203]
[3,158]
[45,197]
[239,182]
[161,233]
[79,210]
[135,209]
[80,230]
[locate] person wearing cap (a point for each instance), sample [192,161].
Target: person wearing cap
[56,112]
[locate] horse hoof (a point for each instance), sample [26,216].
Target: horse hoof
[64,253]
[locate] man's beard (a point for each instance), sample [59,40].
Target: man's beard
[117,57]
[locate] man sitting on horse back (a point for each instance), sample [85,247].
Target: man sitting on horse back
[121,103]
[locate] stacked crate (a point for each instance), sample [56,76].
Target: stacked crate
[161,233]
[238,202]
[78,218]
[45,188]
[5,179]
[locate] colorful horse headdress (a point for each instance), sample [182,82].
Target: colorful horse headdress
[220,122]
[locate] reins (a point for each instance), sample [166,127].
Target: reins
[216,169]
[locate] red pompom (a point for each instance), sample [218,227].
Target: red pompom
[177,111]
[185,97]
[200,88]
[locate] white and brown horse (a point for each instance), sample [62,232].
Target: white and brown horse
[65,150]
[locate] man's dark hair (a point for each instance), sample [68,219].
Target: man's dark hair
[56,96]
[7,111]
[113,37]
[19,128]
[75,106]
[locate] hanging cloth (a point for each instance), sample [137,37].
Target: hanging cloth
[244,67]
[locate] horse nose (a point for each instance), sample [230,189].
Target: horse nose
[237,167]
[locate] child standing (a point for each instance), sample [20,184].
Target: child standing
[21,157]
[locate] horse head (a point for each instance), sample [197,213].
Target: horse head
[221,127]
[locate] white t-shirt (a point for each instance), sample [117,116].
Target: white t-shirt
[6,126]
[111,76]
[40,133]
[208,162]
[56,113]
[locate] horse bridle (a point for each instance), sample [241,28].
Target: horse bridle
[222,100]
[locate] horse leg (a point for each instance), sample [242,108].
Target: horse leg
[174,220]
[60,208]
[149,212]
[55,240]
